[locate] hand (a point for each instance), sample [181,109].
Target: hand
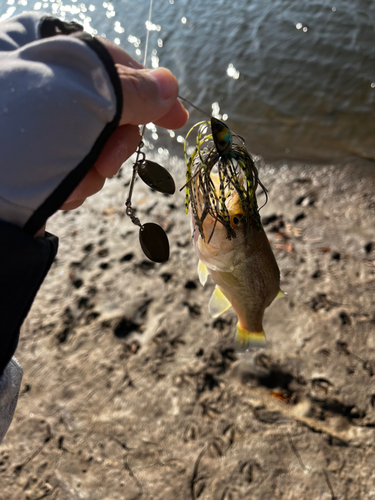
[148,96]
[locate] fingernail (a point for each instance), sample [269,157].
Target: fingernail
[166,82]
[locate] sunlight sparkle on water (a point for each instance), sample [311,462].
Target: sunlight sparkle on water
[8,13]
[163,152]
[118,28]
[152,127]
[154,59]
[216,110]
[300,26]
[55,9]
[232,72]
[87,27]
[134,40]
[73,9]
[152,27]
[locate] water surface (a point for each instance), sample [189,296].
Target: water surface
[296,78]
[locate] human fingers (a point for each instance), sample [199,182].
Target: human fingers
[173,118]
[149,96]
[119,147]
[91,184]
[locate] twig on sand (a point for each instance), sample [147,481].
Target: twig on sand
[194,477]
[124,446]
[19,467]
[295,451]
[132,475]
[325,474]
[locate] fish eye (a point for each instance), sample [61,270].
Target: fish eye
[237,219]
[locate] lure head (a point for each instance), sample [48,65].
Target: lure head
[221,182]
[222,136]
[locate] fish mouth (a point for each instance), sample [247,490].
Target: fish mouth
[222,183]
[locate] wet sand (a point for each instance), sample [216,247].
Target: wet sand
[131,390]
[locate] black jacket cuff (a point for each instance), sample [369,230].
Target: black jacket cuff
[24,263]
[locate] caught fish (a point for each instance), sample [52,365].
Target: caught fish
[228,236]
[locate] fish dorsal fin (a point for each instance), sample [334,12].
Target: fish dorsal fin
[281,294]
[202,273]
[218,303]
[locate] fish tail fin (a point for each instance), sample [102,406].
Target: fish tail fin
[244,340]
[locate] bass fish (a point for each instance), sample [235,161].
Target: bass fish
[228,236]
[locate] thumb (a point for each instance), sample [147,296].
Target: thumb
[147,95]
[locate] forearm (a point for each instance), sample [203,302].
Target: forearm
[64,101]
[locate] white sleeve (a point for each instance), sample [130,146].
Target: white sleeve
[60,100]
[20,30]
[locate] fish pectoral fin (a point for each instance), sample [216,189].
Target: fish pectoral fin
[218,303]
[202,273]
[244,340]
[281,294]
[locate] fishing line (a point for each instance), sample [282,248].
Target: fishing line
[152,237]
[145,56]
[148,32]
[193,105]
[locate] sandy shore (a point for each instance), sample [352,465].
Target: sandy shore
[131,390]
